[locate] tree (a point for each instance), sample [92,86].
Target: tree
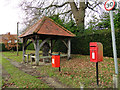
[104,22]
[9,41]
[67,9]
[71,26]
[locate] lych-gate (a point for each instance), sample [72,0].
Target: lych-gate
[46,30]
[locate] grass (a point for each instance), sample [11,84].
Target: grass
[13,55]
[0,71]
[21,79]
[78,71]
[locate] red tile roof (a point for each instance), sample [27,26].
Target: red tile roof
[47,26]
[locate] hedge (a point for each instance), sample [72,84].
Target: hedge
[80,44]
[2,47]
[31,47]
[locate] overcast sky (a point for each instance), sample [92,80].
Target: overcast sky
[10,14]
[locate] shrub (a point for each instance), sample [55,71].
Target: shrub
[80,44]
[2,47]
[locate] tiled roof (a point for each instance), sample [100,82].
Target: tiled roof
[47,26]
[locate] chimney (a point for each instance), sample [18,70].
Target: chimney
[8,33]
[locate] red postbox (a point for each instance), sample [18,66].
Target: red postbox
[96,52]
[55,60]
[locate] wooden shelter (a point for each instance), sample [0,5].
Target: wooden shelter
[45,29]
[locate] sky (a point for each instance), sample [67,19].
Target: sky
[10,14]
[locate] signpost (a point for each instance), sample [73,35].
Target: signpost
[109,6]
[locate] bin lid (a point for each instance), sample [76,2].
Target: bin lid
[55,54]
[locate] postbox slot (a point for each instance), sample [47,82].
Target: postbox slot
[92,46]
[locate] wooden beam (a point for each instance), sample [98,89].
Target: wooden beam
[43,42]
[69,49]
[28,44]
[33,43]
[65,43]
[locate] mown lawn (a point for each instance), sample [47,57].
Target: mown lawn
[79,71]
[19,79]
[13,55]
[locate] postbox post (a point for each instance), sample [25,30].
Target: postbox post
[96,55]
[97,73]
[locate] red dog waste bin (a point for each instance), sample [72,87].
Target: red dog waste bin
[55,60]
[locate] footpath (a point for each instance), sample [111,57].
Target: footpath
[52,82]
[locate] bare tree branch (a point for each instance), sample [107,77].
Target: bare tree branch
[57,6]
[37,8]
[65,12]
[92,9]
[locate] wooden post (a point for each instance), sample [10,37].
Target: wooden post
[31,59]
[51,46]
[65,43]
[37,52]
[69,49]
[24,51]
[27,58]
[33,43]
[17,37]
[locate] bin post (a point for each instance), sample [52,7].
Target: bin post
[59,67]
[97,73]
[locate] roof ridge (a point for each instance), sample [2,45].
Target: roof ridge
[42,21]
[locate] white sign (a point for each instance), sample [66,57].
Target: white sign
[109,5]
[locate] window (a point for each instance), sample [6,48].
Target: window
[9,41]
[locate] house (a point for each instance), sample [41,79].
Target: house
[8,38]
